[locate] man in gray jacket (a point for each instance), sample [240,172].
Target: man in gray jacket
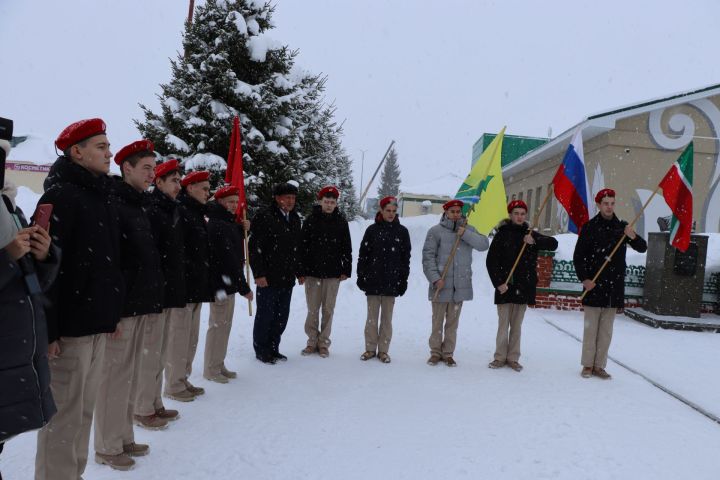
[449,288]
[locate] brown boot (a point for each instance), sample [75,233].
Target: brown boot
[184,396]
[136,449]
[367,355]
[197,391]
[308,351]
[496,364]
[515,366]
[121,461]
[586,372]
[227,373]
[151,422]
[384,357]
[219,378]
[601,373]
[434,359]
[323,352]
[450,362]
[170,415]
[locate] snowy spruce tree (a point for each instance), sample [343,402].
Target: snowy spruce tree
[390,176]
[231,67]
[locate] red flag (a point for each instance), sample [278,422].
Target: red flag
[231,154]
[235,167]
[677,190]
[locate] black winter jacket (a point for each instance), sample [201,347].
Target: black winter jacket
[164,215]
[139,255]
[227,252]
[274,246]
[88,296]
[197,249]
[384,260]
[596,240]
[26,402]
[326,250]
[503,251]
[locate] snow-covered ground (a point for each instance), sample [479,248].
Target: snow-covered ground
[340,418]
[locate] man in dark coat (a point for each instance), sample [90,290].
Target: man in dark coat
[326,260]
[140,262]
[26,402]
[596,240]
[87,296]
[183,339]
[164,216]
[274,243]
[513,297]
[383,269]
[227,277]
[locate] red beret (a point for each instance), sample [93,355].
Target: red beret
[453,203]
[387,200]
[516,204]
[165,167]
[195,177]
[605,192]
[328,191]
[226,191]
[79,131]
[135,147]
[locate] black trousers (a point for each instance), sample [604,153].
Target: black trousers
[273,310]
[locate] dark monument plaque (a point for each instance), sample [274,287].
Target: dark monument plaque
[674,279]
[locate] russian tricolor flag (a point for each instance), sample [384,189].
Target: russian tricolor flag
[570,184]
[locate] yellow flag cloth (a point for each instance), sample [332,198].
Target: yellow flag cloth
[484,188]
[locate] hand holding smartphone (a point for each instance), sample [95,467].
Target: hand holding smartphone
[42,215]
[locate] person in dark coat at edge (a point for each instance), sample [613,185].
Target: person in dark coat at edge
[87,298]
[325,261]
[26,402]
[140,263]
[183,339]
[274,243]
[227,277]
[512,298]
[382,273]
[596,240]
[164,215]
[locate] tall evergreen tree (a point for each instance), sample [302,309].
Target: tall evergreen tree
[230,67]
[390,176]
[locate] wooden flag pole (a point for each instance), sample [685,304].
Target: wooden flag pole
[620,242]
[247,258]
[535,222]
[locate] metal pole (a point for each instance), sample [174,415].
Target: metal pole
[362,197]
[190,11]
[362,171]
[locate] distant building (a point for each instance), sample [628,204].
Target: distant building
[29,162]
[513,147]
[414,204]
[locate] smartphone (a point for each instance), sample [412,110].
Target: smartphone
[42,215]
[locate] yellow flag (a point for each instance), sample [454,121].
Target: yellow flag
[484,187]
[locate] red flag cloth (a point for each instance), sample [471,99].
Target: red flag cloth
[677,190]
[235,162]
[231,153]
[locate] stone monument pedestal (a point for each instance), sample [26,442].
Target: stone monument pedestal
[674,279]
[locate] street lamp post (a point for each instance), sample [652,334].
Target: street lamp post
[362,171]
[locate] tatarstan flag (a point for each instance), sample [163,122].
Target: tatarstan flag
[677,190]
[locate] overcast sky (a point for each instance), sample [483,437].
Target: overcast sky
[432,75]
